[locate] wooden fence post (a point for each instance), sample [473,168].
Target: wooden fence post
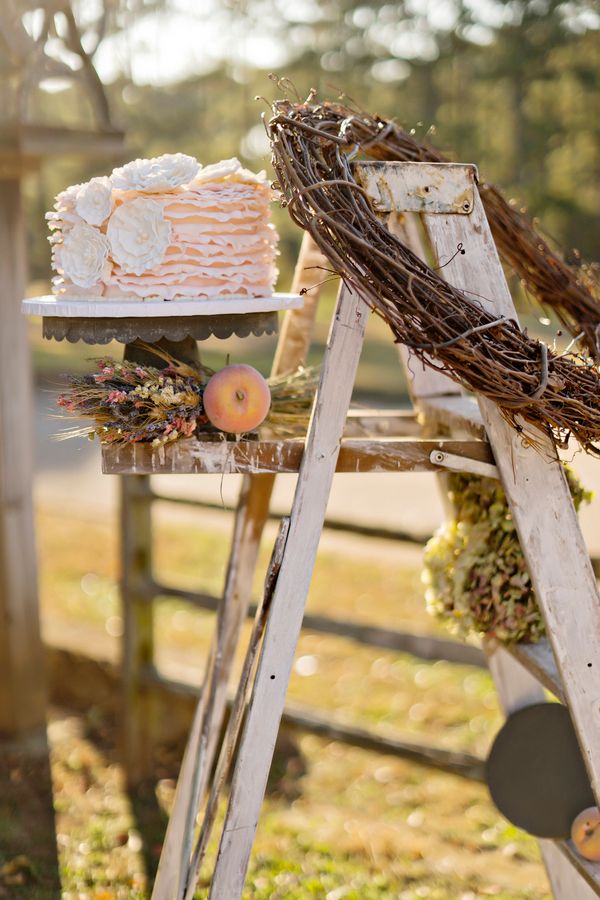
[22,693]
[138,621]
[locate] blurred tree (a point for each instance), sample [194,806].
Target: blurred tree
[513,85]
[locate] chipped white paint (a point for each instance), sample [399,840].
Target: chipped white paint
[99,308]
[549,533]
[565,866]
[418,187]
[381,454]
[459,414]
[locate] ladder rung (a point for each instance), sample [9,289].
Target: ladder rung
[589,871]
[539,660]
[388,422]
[458,413]
[357,455]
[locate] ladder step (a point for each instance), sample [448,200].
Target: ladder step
[539,660]
[589,871]
[219,457]
[384,422]
[459,414]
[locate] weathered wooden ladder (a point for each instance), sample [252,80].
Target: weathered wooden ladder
[446,199]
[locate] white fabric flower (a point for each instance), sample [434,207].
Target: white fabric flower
[93,200]
[230,169]
[217,171]
[65,200]
[164,173]
[139,234]
[82,255]
[253,177]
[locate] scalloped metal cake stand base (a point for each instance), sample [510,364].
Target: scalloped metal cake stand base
[152,330]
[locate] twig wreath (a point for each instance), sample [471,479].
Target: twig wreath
[312,144]
[572,294]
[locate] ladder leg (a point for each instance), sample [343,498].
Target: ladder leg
[253,506]
[138,635]
[251,517]
[539,498]
[308,513]
[515,686]
[566,883]
[238,708]
[550,536]
[200,752]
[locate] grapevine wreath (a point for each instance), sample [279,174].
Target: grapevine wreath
[572,294]
[312,145]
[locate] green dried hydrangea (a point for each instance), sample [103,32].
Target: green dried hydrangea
[474,569]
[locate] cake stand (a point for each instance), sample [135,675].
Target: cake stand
[172,325]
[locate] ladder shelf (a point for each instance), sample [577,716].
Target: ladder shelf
[356,455]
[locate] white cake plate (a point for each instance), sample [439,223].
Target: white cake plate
[100,308]
[98,321]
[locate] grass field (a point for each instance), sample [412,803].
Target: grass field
[338,822]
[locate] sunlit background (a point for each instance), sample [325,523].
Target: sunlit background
[512,86]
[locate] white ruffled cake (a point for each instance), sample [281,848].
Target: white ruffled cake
[165,228]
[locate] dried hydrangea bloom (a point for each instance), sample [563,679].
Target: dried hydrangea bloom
[475,573]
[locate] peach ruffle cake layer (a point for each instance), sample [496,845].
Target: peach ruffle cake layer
[211,237]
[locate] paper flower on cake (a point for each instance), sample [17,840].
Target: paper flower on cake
[139,234]
[65,200]
[93,200]
[225,169]
[253,177]
[217,171]
[164,173]
[83,255]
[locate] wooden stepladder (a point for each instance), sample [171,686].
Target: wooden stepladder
[451,213]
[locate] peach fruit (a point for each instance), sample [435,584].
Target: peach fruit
[585,833]
[237,399]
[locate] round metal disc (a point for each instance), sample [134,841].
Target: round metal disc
[535,771]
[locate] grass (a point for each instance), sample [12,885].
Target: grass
[338,822]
